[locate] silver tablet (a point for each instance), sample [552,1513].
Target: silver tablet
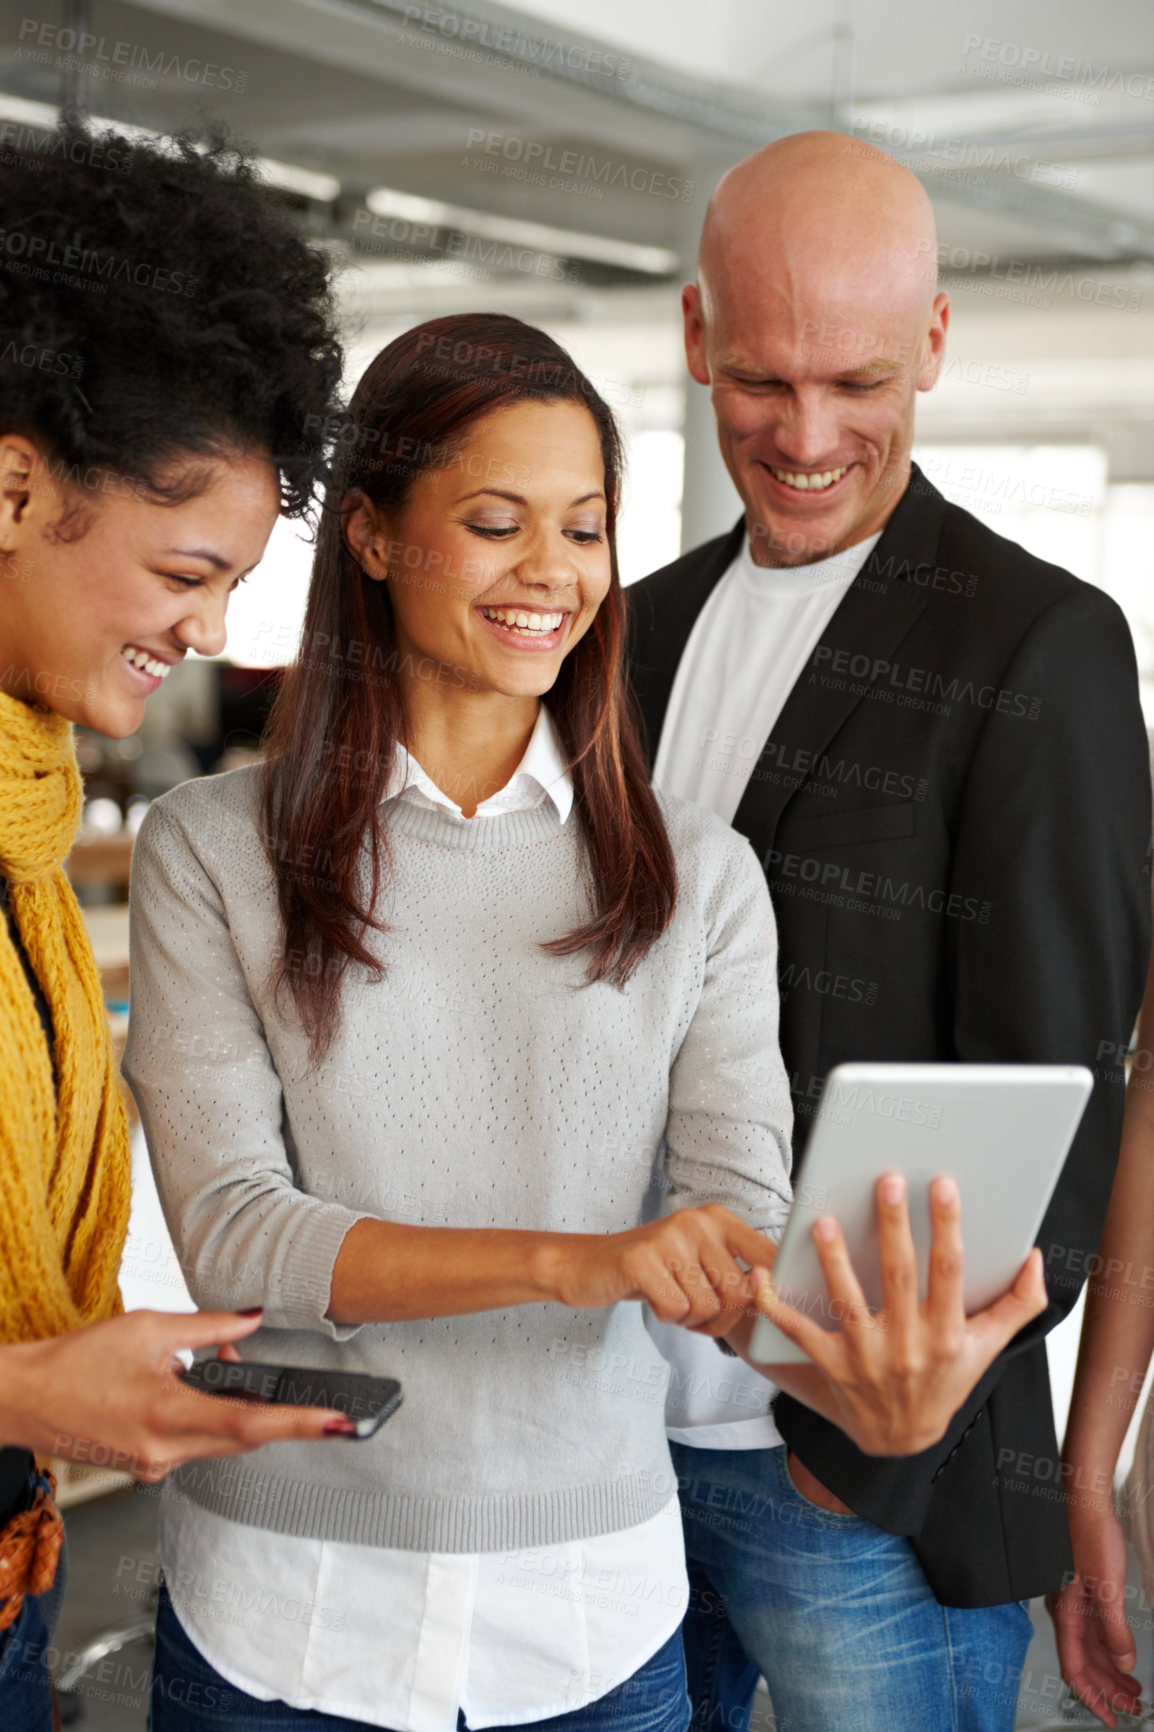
[1002,1131]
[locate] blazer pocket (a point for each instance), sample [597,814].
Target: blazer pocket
[836,829]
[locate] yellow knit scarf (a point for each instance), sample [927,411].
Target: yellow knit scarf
[64,1164]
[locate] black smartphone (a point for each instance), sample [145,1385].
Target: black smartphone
[367,1401]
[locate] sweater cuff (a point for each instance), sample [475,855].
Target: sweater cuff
[302,1293]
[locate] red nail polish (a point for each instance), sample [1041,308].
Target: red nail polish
[340,1428]
[251,1311]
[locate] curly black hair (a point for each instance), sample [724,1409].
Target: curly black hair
[156,303]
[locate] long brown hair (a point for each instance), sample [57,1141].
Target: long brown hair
[339,715]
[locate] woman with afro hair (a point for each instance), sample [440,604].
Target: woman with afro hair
[167,363]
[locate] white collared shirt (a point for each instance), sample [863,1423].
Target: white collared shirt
[541,775]
[404,1639]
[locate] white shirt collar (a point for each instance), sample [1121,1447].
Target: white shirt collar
[541,775]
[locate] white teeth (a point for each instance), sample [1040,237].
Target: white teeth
[139,658]
[531,624]
[809,483]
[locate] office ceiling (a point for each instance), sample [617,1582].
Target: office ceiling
[554,158]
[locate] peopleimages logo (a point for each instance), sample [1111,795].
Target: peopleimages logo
[947,151]
[543,159]
[828,881]
[911,681]
[1041,63]
[466,250]
[42,360]
[106,55]
[539,52]
[42,253]
[34,142]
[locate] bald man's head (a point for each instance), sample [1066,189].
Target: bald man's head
[828,206]
[815,319]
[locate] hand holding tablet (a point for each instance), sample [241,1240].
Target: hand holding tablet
[892,1379]
[876,1317]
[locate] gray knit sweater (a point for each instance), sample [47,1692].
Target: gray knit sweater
[481,1083]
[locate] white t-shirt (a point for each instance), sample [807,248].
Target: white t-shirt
[745,653]
[747,648]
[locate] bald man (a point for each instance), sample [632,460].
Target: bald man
[935,744]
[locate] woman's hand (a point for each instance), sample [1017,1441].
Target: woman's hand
[1095,1647]
[684,1266]
[112,1394]
[894,1379]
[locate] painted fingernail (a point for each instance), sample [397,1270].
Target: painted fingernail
[251,1311]
[340,1428]
[893,1189]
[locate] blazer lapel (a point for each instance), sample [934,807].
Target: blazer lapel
[661,613]
[875,614]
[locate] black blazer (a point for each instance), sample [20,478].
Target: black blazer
[953,812]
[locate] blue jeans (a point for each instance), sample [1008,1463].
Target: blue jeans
[189,1695]
[835,1614]
[25,1684]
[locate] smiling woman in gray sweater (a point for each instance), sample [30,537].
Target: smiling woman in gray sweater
[417,1010]
[424,1008]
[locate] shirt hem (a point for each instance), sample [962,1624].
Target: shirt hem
[570,1705]
[759,1433]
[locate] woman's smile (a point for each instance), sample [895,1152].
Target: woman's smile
[526,628]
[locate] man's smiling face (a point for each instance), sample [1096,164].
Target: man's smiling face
[815,324]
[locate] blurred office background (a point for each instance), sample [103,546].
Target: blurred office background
[554,161]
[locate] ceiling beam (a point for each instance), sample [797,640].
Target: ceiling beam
[551,76]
